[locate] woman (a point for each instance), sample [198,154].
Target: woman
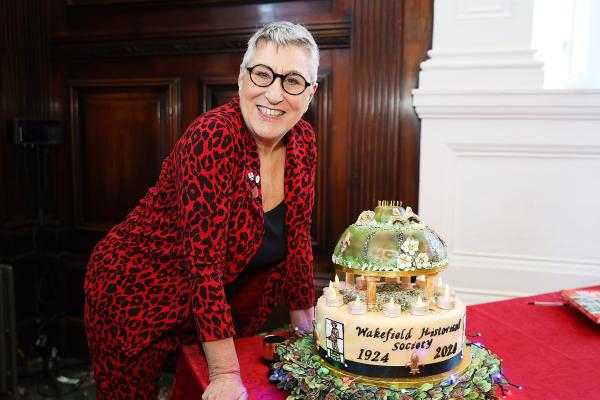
[231,209]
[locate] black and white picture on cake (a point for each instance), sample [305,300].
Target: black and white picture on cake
[334,332]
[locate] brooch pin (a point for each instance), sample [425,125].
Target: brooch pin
[256,180]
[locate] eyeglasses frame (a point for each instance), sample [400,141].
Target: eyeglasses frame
[282,77]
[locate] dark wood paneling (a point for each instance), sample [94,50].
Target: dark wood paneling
[368,119]
[416,41]
[128,76]
[216,90]
[121,130]
[209,41]
[24,93]
[164,29]
[157,3]
[25,76]
[318,115]
[390,38]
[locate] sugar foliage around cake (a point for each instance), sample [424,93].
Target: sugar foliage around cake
[306,376]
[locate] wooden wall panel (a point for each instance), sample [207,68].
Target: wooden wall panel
[137,72]
[24,93]
[193,29]
[319,116]
[390,38]
[216,90]
[121,130]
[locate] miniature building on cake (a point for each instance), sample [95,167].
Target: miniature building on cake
[390,243]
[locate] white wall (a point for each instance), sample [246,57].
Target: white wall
[510,172]
[566,36]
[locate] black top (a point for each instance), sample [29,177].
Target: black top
[272,250]
[273,247]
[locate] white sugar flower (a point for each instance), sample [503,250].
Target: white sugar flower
[410,246]
[404,261]
[422,261]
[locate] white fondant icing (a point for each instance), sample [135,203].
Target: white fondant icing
[436,337]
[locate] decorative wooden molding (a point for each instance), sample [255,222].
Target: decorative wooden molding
[96,4]
[327,35]
[169,121]
[214,87]
[25,81]
[321,112]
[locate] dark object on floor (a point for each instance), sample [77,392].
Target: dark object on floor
[8,337]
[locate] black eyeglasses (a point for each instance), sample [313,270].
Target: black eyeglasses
[291,83]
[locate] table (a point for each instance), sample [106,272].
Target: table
[553,352]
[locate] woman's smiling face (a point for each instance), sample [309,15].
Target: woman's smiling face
[269,112]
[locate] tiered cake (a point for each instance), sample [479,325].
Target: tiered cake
[391,321]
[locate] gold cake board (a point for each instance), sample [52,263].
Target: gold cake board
[404,383]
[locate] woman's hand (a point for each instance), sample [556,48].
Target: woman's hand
[225,387]
[223,371]
[302,319]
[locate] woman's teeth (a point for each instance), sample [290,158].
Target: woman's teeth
[269,112]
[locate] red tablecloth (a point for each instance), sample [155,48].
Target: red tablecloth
[553,352]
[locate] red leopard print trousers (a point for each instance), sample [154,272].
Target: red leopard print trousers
[123,377]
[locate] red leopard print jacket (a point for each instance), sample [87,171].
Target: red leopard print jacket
[194,232]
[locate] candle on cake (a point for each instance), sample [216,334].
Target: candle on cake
[391,309]
[446,301]
[356,307]
[360,283]
[334,301]
[439,288]
[329,291]
[332,297]
[419,307]
[339,285]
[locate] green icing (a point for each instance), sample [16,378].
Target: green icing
[379,247]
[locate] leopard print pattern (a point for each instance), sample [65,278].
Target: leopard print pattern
[192,235]
[118,376]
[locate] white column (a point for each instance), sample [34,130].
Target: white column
[508,170]
[482,44]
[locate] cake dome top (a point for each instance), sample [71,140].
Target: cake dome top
[390,241]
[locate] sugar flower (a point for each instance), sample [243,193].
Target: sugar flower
[410,246]
[404,261]
[422,261]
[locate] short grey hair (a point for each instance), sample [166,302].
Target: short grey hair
[284,33]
